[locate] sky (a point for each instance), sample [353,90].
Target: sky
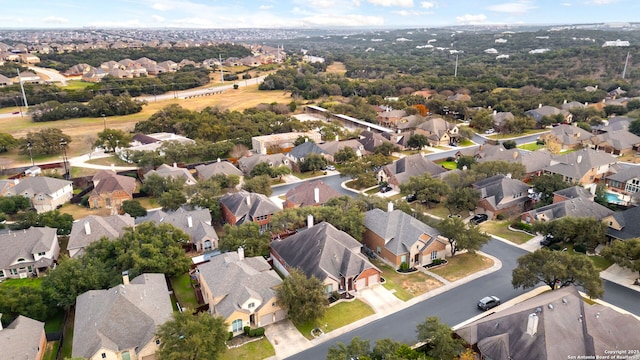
[309,13]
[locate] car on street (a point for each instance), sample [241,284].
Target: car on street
[488,302]
[479,218]
[330,167]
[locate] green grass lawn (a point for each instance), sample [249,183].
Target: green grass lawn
[439,211]
[260,349]
[501,228]
[184,291]
[52,351]
[463,265]
[449,165]
[465,142]
[31,282]
[54,323]
[406,286]
[107,161]
[336,317]
[78,211]
[67,344]
[148,203]
[76,85]
[598,261]
[309,174]
[531,146]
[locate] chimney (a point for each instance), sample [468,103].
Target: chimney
[175,165]
[190,221]
[539,106]
[596,86]
[87,228]
[240,253]
[495,112]
[309,221]
[113,167]
[248,200]
[389,206]
[579,159]
[532,324]
[586,103]
[316,195]
[125,278]
[306,139]
[337,138]
[218,159]
[1,322]
[565,101]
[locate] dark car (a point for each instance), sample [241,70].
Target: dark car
[412,197]
[479,218]
[384,189]
[488,302]
[547,240]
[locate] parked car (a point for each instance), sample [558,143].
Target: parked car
[479,218]
[488,302]
[412,198]
[330,167]
[547,240]
[384,189]
[490,131]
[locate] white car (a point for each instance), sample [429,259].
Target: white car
[330,167]
[490,131]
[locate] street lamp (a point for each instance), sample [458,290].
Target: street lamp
[104,120]
[63,145]
[30,154]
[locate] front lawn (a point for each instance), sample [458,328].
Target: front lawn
[439,211]
[185,293]
[310,174]
[501,228]
[406,286]
[336,317]
[463,265]
[599,262]
[260,349]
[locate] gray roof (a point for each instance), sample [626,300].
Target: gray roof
[25,244]
[246,206]
[111,227]
[437,126]
[548,111]
[38,185]
[578,207]
[412,165]
[304,193]
[106,182]
[576,164]
[399,230]
[614,124]
[624,173]
[570,134]
[573,105]
[560,333]
[502,191]
[237,281]
[371,140]
[247,163]
[123,317]
[21,339]
[166,171]
[575,192]
[628,220]
[500,118]
[332,147]
[619,140]
[323,251]
[199,228]
[303,150]
[217,168]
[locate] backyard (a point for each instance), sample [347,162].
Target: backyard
[337,316]
[184,292]
[406,286]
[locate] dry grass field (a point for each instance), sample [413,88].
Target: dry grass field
[337,68]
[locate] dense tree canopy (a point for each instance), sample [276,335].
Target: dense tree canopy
[303,298]
[193,337]
[47,141]
[439,339]
[584,231]
[248,236]
[624,253]
[462,236]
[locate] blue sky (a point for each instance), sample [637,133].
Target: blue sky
[309,13]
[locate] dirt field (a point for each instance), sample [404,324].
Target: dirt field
[337,68]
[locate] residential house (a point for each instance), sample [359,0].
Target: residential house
[206,172]
[302,151]
[501,194]
[390,118]
[501,118]
[400,238]
[556,324]
[578,207]
[440,132]
[45,193]
[371,140]
[624,179]
[332,147]
[619,142]
[584,167]
[151,142]
[548,112]
[121,322]
[92,228]
[399,171]
[615,123]
[568,106]
[110,190]
[195,223]
[572,192]
[534,161]
[309,193]
[459,97]
[30,77]
[94,75]
[331,255]
[24,338]
[175,172]
[240,290]
[5,81]
[569,137]
[78,70]
[623,225]
[262,144]
[28,252]
[243,206]
[247,163]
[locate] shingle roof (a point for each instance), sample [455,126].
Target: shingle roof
[560,333]
[625,173]
[246,206]
[575,192]
[576,164]
[123,317]
[437,125]
[304,194]
[412,165]
[323,251]
[109,182]
[21,339]
[38,185]
[217,168]
[501,191]
[24,244]
[619,140]
[111,227]
[249,162]
[200,229]
[399,230]
[578,207]
[570,134]
[628,220]
[303,150]
[238,280]
[371,140]
[173,172]
[332,147]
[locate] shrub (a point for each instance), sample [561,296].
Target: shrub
[404,267]
[437,261]
[258,332]
[540,142]
[500,217]
[235,86]
[450,159]
[509,144]
[247,330]
[555,247]
[521,226]
[581,248]
[246,76]
[230,336]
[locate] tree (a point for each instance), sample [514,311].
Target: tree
[54,219]
[418,141]
[557,269]
[172,200]
[461,198]
[357,349]
[386,149]
[191,336]
[345,154]
[133,208]
[509,144]
[109,139]
[261,168]
[156,185]
[47,141]
[13,204]
[465,161]
[492,168]
[439,339]
[547,184]
[482,120]
[248,236]
[7,142]
[461,236]
[427,189]
[313,163]
[30,301]
[302,297]
[259,184]
[634,127]
[301,140]
[280,171]
[624,253]
[587,231]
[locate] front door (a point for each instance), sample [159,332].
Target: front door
[252,319]
[416,259]
[350,286]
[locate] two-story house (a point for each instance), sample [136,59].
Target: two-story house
[110,190]
[28,252]
[44,193]
[243,206]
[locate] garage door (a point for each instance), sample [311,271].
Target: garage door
[271,318]
[361,283]
[266,319]
[373,279]
[281,315]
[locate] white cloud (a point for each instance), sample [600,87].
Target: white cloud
[157,18]
[162,6]
[323,4]
[356,2]
[343,20]
[468,19]
[387,3]
[513,7]
[566,4]
[427,4]
[265,7]
[601,2]
[411,12]
[55,20]
[192,22]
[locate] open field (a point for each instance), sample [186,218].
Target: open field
[463,265]
[337,68]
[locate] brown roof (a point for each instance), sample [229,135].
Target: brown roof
[108,183]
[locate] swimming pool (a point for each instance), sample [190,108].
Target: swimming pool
[613,198]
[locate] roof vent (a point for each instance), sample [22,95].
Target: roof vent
[550,306]
[538,310]
[564,301]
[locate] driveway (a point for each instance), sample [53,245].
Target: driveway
[379,298]
[285,338]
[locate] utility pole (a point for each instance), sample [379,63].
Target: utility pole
[455,72]
[220,61]
[104,120]
[624,72]
[24,96]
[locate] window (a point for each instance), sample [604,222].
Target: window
[21,260]
[13,271]
[329,288]
[236,325]
[41,197]
[42,253]
[434,255]
[251,305]
[1,274]
[157,341]
[378,250]
[104,355]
